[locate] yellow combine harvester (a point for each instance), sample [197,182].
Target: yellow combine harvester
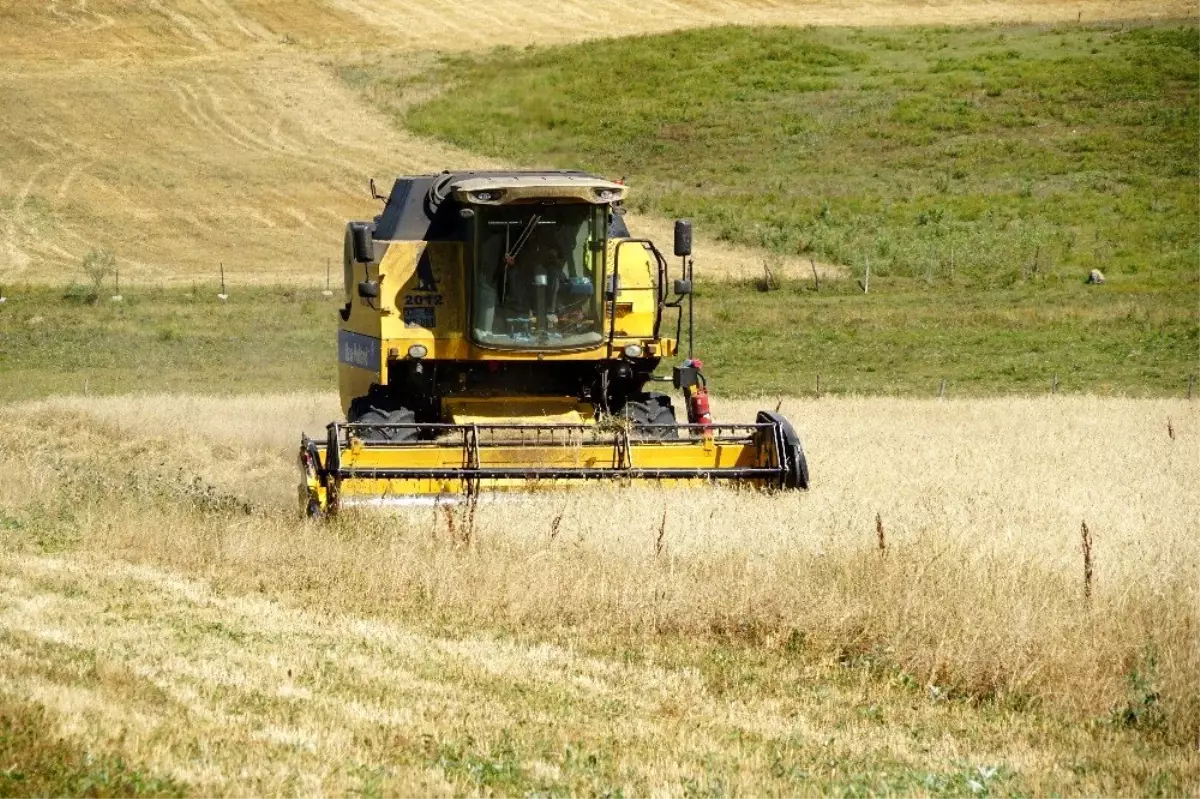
[499,333]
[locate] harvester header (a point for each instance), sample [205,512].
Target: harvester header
[499,333]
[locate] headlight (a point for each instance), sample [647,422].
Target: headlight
[418,351]
[485,196]
[605,194]
[633,350]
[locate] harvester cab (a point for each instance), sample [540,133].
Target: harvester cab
[500,332]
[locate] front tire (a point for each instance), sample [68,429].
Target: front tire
[795,464]
[645,411]
[387,434]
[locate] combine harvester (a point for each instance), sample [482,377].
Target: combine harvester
[499,333]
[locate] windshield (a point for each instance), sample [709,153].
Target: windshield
[536,270]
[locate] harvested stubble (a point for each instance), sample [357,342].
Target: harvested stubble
[980,592]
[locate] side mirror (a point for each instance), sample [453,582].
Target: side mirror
[369,289]
[683,237]
[362,243]
[683,287]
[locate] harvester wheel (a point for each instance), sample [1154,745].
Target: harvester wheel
[795,474]
[651,409]
[798,474]
[382,417]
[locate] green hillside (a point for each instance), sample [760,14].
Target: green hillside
[985,155]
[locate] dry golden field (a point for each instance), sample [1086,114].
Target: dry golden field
[163,601]
[183,135]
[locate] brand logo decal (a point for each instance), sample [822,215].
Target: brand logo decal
[355,349]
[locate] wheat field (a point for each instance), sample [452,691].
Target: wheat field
[192,134]
[163,599]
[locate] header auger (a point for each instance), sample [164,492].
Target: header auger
[499,333]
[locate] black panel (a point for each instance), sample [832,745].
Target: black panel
[404,218]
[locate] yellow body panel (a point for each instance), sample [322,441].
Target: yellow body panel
[421,292]
[684,453]
[518,410]
[609,460]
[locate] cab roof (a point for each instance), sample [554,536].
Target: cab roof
[417,207]
[512,187]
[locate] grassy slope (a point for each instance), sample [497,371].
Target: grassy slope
[186,134]
[980,172]
[762,647]
[238,157]
[1008,150]
[1017,340]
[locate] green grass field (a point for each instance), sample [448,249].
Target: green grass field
[986,156]
[262,339]
[1107,340]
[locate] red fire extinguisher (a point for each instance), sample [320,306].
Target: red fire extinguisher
[697,399]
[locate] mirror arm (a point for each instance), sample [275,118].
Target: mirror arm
[690,299]
[375,195]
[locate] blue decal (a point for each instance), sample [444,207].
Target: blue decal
[355,349]
[420,317]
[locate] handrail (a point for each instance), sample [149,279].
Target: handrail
[660,287]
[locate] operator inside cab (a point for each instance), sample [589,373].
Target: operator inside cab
[536,273]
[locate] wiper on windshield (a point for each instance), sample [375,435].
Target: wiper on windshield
[512,250]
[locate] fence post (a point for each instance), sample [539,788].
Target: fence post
[1054,385]
[224,295]
[1191,378]
[942,388]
